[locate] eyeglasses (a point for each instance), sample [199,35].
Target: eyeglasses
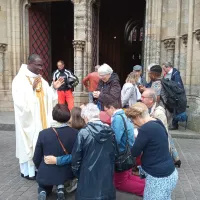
[145,97]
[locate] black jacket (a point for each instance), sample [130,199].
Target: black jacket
[93,160]
[177,77]
[68,76]
[111,89]
[48,144]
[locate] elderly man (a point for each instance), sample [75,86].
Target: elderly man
[91,82]
[137,69]
[172,73]
[149,98]
[108,87]
[33,104]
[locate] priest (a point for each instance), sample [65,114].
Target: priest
[33,103]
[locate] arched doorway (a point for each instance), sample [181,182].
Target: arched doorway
[121,31]
[51,32]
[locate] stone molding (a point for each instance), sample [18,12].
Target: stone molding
[3,47]
[197,35]
[79,44]
[169,43]
[185,39]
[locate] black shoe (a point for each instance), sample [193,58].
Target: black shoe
[42,195]
[60,195]
[173,128]
[30,178]
[178,163]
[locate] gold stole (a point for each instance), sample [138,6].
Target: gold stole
[40,95]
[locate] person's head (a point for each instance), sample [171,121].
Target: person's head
[110,106]
[137,69]
[89,112]
[61,113]
[76,120]
[149,66]
[155,72]
[96,68]
[149,97]
[167,66]
[105,72]
[35,64]
[138,113]
[132,78]
[60,65]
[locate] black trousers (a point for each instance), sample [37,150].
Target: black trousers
[46,188]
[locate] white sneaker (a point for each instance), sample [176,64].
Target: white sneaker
[73,185]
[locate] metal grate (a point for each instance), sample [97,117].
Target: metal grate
[39,35]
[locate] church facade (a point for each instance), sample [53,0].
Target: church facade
[85,33]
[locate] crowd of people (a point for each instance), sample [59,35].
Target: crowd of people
[119,139]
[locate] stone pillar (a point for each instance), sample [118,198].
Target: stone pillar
[78,63]
[170,46]
[189,46]
[197,35]
[2,50]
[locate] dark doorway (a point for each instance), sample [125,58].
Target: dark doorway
[121,34]
[51,31]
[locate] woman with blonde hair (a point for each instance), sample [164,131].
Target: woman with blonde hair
[129,93]
[157,164]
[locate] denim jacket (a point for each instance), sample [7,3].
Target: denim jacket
[118,127]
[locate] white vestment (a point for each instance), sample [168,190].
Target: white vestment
[27,114]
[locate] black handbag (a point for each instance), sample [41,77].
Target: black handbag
[124,160]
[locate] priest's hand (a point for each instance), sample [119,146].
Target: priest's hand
[36,81]
[50,160]
[58,83]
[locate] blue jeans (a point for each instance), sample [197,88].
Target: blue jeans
[179,118]
[90,95]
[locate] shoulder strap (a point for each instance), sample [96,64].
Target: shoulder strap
[126,130]
[61,144]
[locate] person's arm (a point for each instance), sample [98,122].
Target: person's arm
[38,154]
[115,92]
[85,81]
[64,160]
[118,128]
[178,80]
[140,142]
[77,154]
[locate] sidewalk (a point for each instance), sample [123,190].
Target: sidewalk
[7,122]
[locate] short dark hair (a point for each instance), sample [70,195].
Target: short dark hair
[108,102]
[61,113]
[33,57]
[77,121]
[61,61]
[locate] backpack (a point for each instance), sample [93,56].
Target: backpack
[173,96]
[73,81]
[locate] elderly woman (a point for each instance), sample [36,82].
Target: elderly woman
[108,87]
[93,158]
[157,164]
[58,141]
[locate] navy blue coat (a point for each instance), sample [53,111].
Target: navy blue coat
[177,77]
[48,144]
[93,160]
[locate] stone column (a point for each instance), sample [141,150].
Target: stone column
[78,63]
[170,46]
[197,35]
[190,46]
[2,50]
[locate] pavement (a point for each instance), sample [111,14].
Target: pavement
[13,187]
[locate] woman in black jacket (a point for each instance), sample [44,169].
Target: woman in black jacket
[93,158]
[48,144]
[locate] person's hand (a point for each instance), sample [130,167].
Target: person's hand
[58,83]
[96,94]
[50,160]
[36,81]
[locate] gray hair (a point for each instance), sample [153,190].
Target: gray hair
[168,64]
[90,111]
[152,94]
[96,68]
